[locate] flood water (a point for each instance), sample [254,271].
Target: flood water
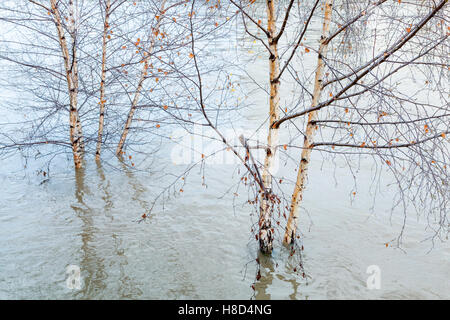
[199,245]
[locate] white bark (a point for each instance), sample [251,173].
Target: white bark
[71,68]
[265,219]
[311,128]
[140,84]
[102,83]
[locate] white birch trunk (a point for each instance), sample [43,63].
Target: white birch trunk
[102,83]
[265,219]
[71,68]
[302,174]
[133,107]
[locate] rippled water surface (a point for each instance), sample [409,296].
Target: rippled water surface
[200,246]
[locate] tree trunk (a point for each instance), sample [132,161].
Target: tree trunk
[140,85]
[71,68]
[102,83]
[265,218]
[297,195]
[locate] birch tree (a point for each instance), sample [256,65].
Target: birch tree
[71,66]
[273,37]
[310,127]
[42,64]
[102,101]
[371,139]
[90,48]
[71,69]
[159,16]
[356,104]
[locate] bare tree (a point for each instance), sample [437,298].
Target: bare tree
[376,86]
[102,101]
[96,52]
[159,16]
[41,62]
[365,111]
[380,137]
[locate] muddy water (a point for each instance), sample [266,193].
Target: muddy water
[198,245]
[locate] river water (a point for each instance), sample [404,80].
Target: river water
[199,245]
